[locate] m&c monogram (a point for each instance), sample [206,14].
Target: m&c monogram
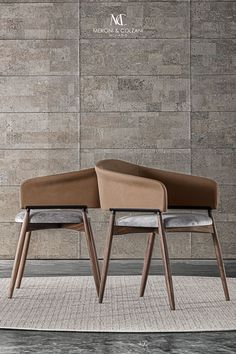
[117,20]
[116,26]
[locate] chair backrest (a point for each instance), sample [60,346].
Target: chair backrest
[183,190]
[121,186]
[71,188]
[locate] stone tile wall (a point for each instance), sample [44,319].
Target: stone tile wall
[162,94]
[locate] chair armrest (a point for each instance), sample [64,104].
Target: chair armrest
[185,190]
[71,188]
[119,190]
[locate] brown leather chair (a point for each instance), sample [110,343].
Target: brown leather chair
[126,187]
[57,201]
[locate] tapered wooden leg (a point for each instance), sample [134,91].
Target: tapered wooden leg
[94,252]
[219,259]
[107,252]
[91,247]
[23,260]
[166,263]
[147,262]
[18,253]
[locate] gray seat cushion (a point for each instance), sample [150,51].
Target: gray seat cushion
[169,220]
[51,216]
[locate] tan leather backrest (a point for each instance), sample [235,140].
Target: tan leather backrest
[120,186]
[72,188]
[183,190]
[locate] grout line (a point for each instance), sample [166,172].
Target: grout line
[115,38]
[79,253]
[179,76]
[109,112]
[114,148]
[190,74]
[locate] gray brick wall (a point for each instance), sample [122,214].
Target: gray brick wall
[163,96]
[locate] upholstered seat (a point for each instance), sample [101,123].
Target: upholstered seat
[51,216]
[170,220]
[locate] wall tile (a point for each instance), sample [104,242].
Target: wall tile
[219,164]
[141,93]
[226,210]
[214,93]
[213,56]
[8,239]
[213,19]
[38,57]
[39,130]
[135,130]
[39,21]
[55,244]
[17,165]
[202,245]
[213,129]
[170,159]
[9,203]
[135,57]
[46,244]
[128,1]
[38,94]
[155,19]
[38,1]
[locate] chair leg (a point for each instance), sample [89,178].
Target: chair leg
[18,254]
[92,256]
[23,260]
[106,259]
[166,263]
[94,252]
[147,262]
[219,259]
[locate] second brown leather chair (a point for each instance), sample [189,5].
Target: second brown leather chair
[128,187]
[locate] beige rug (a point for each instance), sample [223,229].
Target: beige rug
[70,304]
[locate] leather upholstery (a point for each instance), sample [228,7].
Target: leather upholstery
[72,188]
[125,185]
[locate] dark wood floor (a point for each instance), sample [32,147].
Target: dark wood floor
[14,342]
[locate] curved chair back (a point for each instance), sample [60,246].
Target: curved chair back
[182,190]
[72,188]
[121,186]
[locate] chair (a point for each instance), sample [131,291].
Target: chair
[126,187]
[52,202]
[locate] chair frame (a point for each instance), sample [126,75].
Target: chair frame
[161,231]
[25,236]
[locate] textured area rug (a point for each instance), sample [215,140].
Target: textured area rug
[70,304]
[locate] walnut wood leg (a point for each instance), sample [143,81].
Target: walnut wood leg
[23,260]
[219,259]
[166,263]
[147,262]
[94,252]
[92,255]
[107,252]
[18,253]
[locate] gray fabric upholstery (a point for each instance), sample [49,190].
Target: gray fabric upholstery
[169,219]
[51,216]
